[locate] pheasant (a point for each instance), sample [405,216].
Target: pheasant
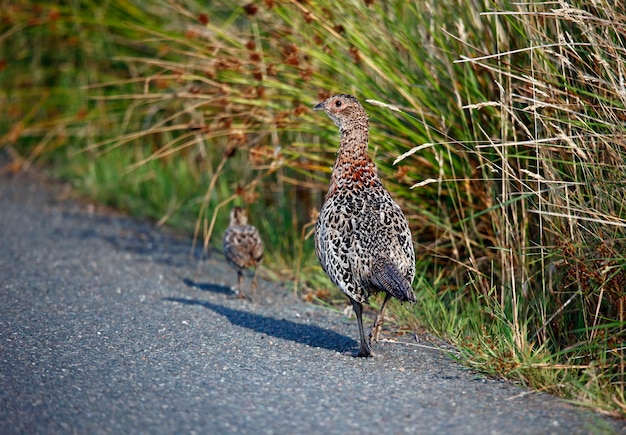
[362,238]
[243,246]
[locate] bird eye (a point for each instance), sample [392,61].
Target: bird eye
[338,103]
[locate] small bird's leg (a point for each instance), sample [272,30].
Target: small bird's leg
[364,347]
[255,282]
[377,326]
[241,295]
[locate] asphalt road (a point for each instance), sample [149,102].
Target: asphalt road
[108,325]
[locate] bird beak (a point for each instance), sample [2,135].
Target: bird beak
[320,106]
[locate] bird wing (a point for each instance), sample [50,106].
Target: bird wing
[385,276]
[386,235]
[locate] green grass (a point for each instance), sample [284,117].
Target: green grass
[509,121]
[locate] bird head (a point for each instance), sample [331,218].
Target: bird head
[238,216]
[343,109]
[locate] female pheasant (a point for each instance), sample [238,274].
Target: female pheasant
[362,238]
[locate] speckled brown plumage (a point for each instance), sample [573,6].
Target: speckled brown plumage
[243,247]
[362,238]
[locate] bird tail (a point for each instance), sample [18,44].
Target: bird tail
[388,278]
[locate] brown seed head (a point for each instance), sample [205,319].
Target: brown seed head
[203,19]
[251,8]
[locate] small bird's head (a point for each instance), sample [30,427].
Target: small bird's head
[238,216]
[345,110]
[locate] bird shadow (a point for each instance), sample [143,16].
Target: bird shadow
[309,335]
[208,287]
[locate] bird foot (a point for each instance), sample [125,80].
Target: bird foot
[357,354]
[362,354]
[239,295]
[365,351]
[377,327]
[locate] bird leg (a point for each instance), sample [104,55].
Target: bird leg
[377,326]
[255,282]
[241,295]
[364,347]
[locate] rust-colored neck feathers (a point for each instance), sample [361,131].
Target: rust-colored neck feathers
[353,167]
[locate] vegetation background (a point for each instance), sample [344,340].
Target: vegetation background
[503,140]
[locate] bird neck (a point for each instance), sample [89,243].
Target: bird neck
[353,141]
[353,166]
